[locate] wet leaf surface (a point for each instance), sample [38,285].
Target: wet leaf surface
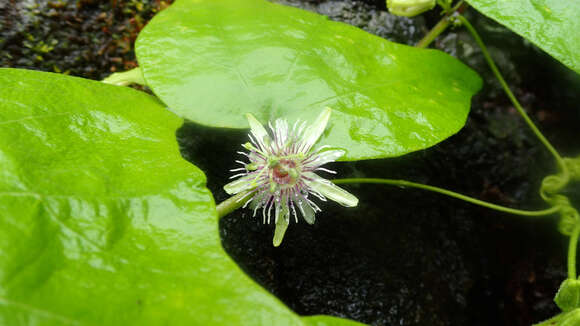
[101,220]
[213,61]
[552,25]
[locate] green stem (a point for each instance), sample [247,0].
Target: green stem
[231,204]
[124,78]
[405,183]
[509,93]
[572,252]
[439,28]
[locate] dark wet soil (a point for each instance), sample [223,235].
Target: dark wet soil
[87,38]
[403,257]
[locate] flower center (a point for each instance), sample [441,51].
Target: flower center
[285,172]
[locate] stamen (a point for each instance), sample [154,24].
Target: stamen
[242,198]
[321,148]
[313,205]
[325,170]
[293,210]
[317,194]
[255,210]
[270,204]
[237,175]
[246,204]
[264,211]
[310,159]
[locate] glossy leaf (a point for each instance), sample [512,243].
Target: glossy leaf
[212,61]
[101,220]
[552,25]
[328,321]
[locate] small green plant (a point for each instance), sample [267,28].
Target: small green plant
[566,50]
[102,221]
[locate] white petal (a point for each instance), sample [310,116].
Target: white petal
[306,210]
[241,184]
[258,131]
[313,132]
[324,157]
[281,226]
[330,190]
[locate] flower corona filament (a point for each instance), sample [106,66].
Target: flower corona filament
[280,173]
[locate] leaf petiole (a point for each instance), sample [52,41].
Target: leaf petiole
[509,93]
[573,245]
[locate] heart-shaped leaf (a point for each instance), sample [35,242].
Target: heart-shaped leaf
[212,61]
[552,25]
[101,220]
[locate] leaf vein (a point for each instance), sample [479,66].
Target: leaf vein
[41,312]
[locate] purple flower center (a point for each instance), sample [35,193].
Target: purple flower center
[284,172]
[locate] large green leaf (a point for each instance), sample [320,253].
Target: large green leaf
[553,25]
[102,222]
[212,61]
[328,321]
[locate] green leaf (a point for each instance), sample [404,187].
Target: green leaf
[570,318]
[101,220]
[328,321]
[552,25]
[213,61]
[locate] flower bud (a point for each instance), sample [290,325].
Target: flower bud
[568,296]
[409,8]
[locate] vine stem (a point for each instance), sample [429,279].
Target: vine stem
[572,252]
[231,204]
[405,183]
[509,93]
[440,27]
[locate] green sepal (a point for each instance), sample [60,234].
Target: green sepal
[281,227]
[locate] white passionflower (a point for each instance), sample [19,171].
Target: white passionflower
[280,173]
